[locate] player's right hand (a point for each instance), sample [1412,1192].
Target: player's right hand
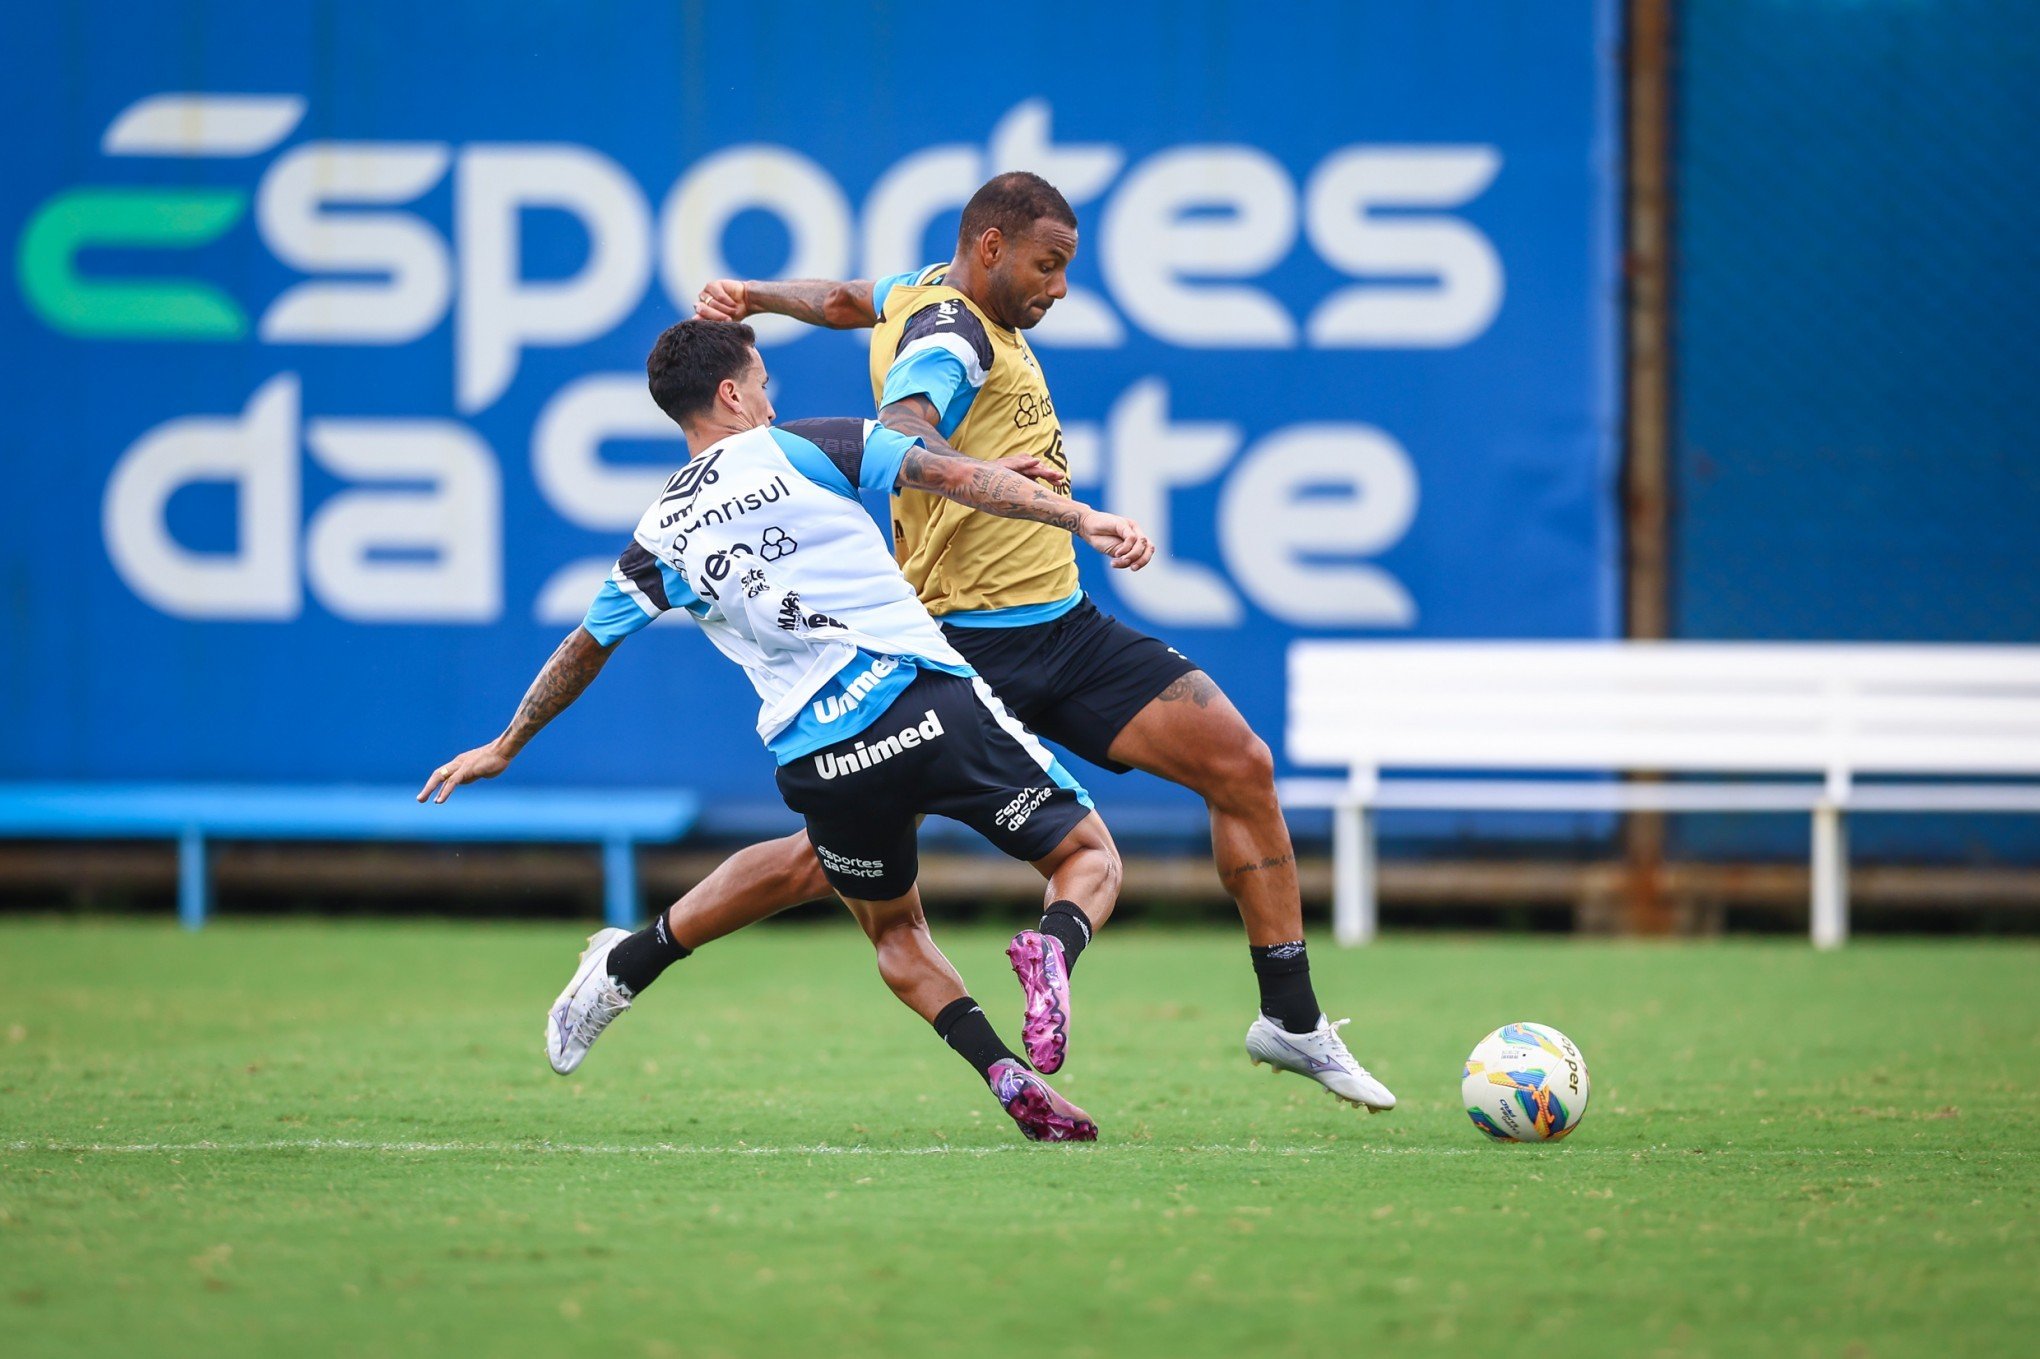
[721,299]
[1119,538]
[1035,469]
[483,762]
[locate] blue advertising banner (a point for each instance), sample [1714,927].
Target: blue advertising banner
[325,331]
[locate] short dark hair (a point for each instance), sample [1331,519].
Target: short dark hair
[692,359]
[1013,202]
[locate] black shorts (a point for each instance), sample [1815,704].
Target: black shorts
[945,747]
[1077,680]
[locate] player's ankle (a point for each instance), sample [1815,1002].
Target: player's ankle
[962,1025]
[1287,997]
[1066,923]
[638,961]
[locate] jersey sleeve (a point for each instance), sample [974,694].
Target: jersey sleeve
[638,591]
[884,451]
[829,452]
[845,454]
[944,355]
[883,287]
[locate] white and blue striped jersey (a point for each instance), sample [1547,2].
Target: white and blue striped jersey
[762,540]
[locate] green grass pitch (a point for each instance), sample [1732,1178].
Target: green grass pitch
[344,1139]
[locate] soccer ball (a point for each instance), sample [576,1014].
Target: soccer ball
[1525,1083]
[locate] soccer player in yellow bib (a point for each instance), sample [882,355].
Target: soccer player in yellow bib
[950,363]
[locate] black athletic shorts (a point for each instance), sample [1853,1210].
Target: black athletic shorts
[1077,680]
[945,747]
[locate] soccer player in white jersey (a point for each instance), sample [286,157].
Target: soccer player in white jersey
[873,717]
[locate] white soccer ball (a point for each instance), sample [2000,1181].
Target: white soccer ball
[1526,1083]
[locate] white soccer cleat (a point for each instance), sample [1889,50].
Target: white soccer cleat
[1321,1055]
[592,999]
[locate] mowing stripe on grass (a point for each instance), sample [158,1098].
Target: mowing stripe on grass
[824,1149]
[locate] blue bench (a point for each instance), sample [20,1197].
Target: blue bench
[192,814]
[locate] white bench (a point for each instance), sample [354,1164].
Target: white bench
[1802,724]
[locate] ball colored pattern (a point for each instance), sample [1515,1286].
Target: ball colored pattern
[1529,1036]
[1525,1082]
[1533,1092]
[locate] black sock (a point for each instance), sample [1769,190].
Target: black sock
[962,1025]
[636,962]
[1286,996]
[1066,921]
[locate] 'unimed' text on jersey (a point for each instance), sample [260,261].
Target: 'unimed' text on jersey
[761,538]
[970,568]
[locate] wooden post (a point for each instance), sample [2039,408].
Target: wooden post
[1647,368]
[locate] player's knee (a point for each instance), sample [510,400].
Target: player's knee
[1110,869]
[1237,772]
[1094,872]
[1092,853]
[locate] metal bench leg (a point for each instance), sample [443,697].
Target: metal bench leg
[194,885]
[619,884]
[1830,877]
[1353,874]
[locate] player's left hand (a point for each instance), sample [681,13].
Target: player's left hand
[483,762]
[721,299]
[1037,469]
[1119,538]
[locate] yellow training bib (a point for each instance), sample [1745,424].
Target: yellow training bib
[961,560]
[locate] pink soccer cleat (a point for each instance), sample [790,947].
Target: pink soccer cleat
[1037,960]
[1043,1115]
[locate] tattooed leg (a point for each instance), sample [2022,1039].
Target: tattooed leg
[1192,735]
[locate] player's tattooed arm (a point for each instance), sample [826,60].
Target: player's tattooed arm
[915,417]
[571,669]
[940,469]
[935,467]
[843,305]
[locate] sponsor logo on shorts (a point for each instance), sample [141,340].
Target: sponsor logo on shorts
[827,710]
[1014,814]
[849,867]
[865,754]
